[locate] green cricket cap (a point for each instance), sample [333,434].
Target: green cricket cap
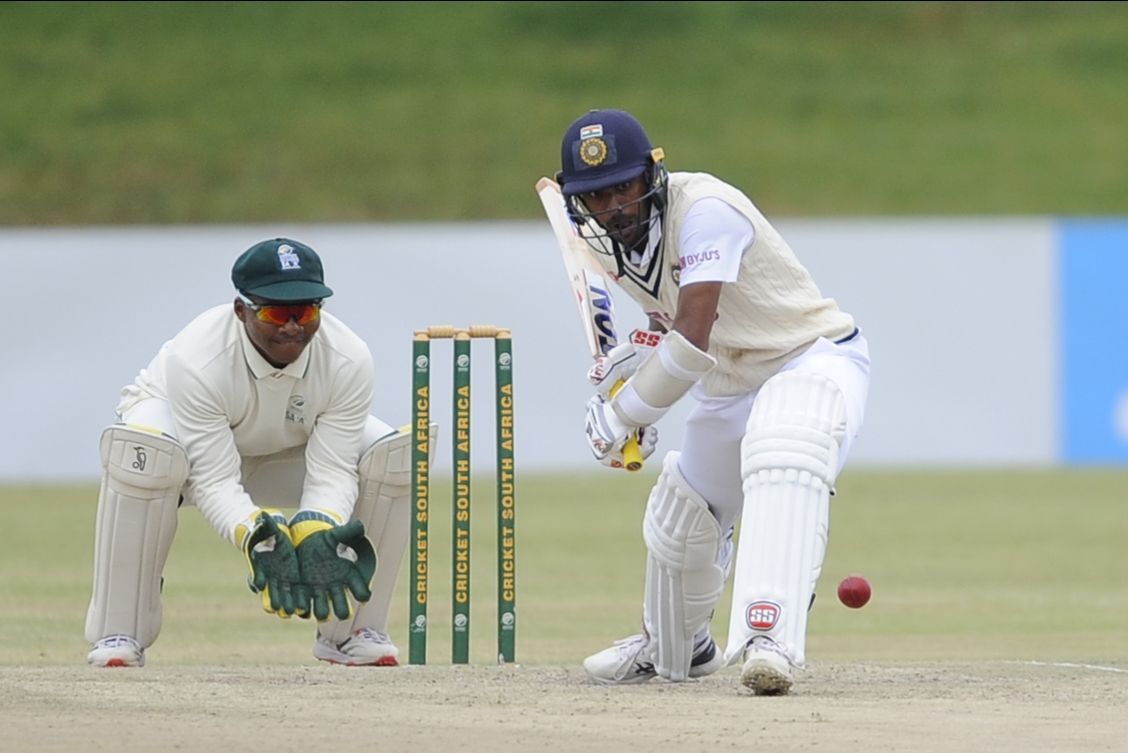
[280,269]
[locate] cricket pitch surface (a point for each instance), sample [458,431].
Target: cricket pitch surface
[999,706]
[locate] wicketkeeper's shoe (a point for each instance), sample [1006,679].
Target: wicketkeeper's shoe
[628,661]
[767,669]
[116,651]
[365,647]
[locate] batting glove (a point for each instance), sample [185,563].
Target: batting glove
[334,560]
[607,434]
[266,543]
[611,370]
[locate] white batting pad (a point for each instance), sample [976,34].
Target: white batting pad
[384,506]
[135,525]
[683,579]
[789,459]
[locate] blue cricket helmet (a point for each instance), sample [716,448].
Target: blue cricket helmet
[603,148]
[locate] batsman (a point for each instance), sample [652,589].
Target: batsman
[256,405]
[779,374]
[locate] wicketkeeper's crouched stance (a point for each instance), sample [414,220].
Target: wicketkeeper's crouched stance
[780,375]
[254,406]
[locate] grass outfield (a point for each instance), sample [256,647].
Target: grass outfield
[189,112]
[1014,565]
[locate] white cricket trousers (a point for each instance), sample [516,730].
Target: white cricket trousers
[710,454]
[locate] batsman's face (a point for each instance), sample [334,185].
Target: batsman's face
[621,210]
[279,344]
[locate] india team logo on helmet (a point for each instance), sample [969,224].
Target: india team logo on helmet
[603,148]
[593,151]
[592,147]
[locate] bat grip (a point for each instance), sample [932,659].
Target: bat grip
[632,455]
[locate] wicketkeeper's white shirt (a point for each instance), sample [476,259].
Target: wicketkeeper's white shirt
[228,403]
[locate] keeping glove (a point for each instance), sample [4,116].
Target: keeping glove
[609,371]
[607,433]
[334,560]
[265,541]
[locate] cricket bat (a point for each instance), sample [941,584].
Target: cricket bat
[590,289]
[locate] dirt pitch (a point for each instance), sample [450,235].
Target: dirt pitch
[844,708]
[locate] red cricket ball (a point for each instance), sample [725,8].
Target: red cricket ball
[854,591]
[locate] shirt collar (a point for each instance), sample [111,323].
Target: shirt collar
[262,368]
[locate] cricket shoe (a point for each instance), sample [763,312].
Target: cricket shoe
[767,669]
[628,662]
[365,647]
[116,651]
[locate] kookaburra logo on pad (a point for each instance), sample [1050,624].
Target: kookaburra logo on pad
[140,458]
[287,258]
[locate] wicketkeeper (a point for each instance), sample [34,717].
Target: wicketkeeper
[780,376]
[254,406]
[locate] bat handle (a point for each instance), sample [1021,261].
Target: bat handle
[632,455]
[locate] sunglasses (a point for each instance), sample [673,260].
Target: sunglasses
[280,314]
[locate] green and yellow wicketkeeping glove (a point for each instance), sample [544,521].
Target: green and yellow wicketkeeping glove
[265,541]
[333,561]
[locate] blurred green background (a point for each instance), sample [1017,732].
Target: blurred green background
[170,112]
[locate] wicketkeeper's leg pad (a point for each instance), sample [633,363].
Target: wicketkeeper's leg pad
[384,506]
[684,580]
[789,461]
[136,521]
